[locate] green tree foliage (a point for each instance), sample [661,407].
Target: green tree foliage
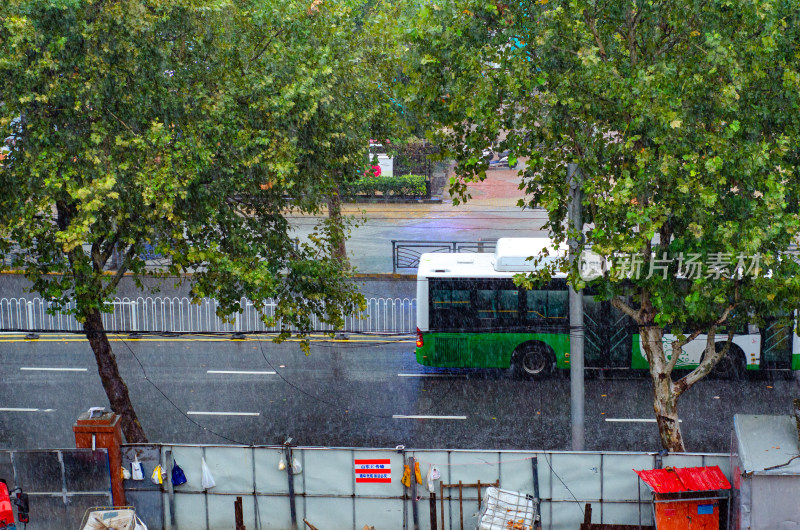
[683,117]
[186,125]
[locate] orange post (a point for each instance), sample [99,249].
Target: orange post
[103,432]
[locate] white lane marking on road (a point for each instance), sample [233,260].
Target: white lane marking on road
[634,420]
[403,417]
[207,413]
[431,375]
[15,409]
[42,369]
[239,372]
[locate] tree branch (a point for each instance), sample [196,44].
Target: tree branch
[699,48]
[565,50]
[123,123]
[109,247]
[710,359]
[695,334]
[123,268]
[264,48]
[625,308]
[97,258]
[593,28]
[633,22]
[668,46]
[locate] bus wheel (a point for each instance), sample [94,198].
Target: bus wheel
[533,361]
[733,366]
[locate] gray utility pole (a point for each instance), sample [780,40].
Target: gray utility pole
[575,311]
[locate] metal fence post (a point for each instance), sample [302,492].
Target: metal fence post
[168,463]
[134,327]
[414,508]
[535,471]
[290,473]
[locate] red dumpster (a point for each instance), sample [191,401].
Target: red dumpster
[686,498]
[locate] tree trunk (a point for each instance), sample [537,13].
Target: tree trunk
[665,399]
[665,404]
[335,215]
[115,387]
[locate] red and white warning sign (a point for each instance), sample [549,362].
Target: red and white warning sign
[373,470]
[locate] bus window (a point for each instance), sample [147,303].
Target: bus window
[450,308]
[547,304]
[497,304]
[449,298]
[557,304]
[776,342]
[485,304]
[537,304]
[508,304]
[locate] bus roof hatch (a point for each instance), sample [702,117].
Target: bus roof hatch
[511,253]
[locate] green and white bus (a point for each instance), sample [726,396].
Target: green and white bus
[471,315]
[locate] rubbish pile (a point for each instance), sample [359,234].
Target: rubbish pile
[112,519]
[508,510]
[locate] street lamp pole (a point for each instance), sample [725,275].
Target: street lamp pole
[575,312]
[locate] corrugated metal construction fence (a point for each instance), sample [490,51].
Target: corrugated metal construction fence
[180,315]
[61,484]
[329,495]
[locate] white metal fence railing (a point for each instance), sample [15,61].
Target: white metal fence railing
[180,315]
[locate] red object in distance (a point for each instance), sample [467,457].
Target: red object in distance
[6,512]
[675,480]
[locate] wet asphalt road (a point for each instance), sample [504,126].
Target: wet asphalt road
[346,393]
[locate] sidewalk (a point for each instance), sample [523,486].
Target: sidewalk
[491,213]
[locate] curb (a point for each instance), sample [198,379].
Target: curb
[357,276]
[385,276]
[432,200]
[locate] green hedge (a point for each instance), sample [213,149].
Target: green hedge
[403,186]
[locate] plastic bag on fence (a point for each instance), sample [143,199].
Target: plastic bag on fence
[178,476]
[503,509]
[124,473]
[207,480]
[137,470]
[158,475]
[433,475]
[296,467]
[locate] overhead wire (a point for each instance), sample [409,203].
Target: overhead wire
[336,406]
[553,471]
[191,420]
[284,379]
